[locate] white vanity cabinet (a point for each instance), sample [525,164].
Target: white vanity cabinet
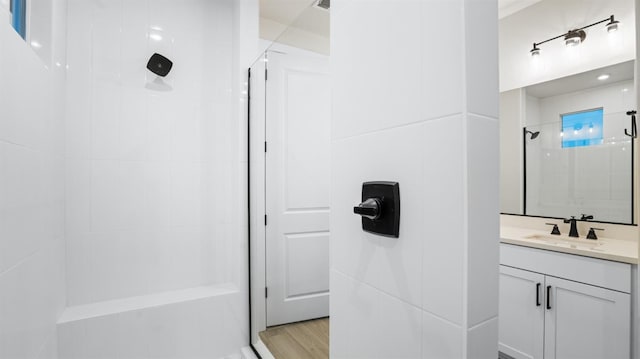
[562,306]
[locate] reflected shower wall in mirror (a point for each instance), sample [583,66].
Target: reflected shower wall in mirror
[576,157]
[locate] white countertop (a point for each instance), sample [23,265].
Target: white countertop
[619,250]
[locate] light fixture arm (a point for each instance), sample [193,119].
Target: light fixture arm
[610,20]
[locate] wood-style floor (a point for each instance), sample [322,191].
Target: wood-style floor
[301,340]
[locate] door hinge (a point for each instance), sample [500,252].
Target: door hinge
[265,74]
[265,146]
[266,292]
[265,219]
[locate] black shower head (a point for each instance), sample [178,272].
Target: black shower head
[159,65]
[533,134]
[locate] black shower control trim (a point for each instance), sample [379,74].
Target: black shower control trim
[380,208]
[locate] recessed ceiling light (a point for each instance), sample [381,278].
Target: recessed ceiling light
[603,77]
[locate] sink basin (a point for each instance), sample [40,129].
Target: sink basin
[566,242]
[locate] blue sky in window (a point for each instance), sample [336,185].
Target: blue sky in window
[582,128]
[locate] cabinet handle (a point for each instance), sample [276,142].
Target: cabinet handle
[548,297]
[538,294]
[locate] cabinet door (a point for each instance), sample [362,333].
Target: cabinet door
[583,321]
[521,313]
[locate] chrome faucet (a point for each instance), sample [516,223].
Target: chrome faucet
[573,231]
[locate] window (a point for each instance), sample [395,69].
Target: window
[582,128]
[18,10]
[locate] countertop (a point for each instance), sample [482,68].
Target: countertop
[618,250]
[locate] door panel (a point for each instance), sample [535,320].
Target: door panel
[521,316]
[297,183]
[586,322]
[307,261]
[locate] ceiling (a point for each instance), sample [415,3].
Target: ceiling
[584,80]
[301,14]
[508,7]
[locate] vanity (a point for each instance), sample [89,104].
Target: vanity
[563,297]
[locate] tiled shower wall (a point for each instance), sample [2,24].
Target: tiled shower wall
[151,173]
[32,249]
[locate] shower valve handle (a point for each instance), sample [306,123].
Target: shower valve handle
[371,208]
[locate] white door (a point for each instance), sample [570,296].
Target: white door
[586,322]
[297,186]
[521,318]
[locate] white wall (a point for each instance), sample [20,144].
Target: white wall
[32,249]
[511,110]
[413,106]
[549,18]
[151,175]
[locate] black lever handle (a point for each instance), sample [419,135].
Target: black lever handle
[370,208]
[538,294]
[555,230]
[592,232]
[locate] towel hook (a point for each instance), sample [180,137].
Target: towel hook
[634,130]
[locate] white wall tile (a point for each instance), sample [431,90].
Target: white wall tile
[390,264]
[443,246]
[441,339]
[388,87]
[481,24]
[154,163]
[31,208]
[483,218]
[441,59]
[339,314]
[399,329]
[483,340]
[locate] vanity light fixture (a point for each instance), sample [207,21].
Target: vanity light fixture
[535,51]
[577,36]
[574,37]
[612,25]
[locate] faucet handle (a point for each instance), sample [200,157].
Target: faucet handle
[592,233]
[555,229]
[586,217]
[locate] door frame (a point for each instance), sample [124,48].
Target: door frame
[256,122]
[256,192]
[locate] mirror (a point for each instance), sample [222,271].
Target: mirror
[289,147]
[565,152]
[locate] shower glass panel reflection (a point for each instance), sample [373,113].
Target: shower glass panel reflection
[591,173]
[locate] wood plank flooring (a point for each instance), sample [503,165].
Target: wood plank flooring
[303,340]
